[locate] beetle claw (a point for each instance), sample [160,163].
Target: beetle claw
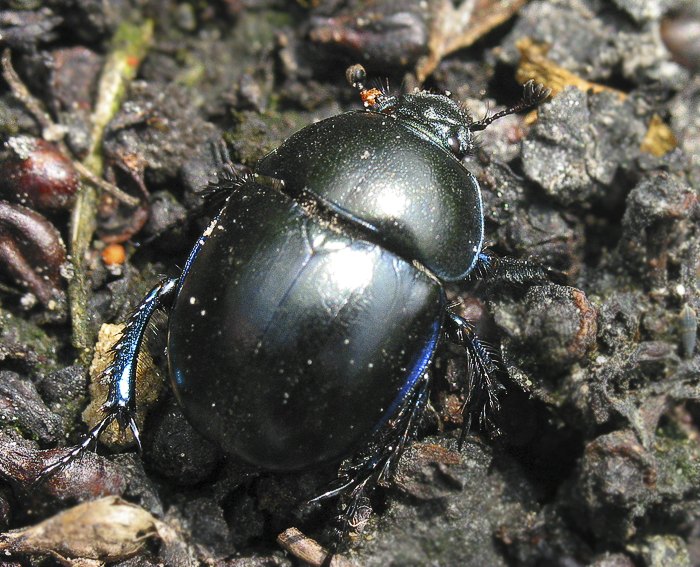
[135,432]
[375,463]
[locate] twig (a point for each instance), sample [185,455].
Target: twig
[32,104]
[309,550]
[105,185]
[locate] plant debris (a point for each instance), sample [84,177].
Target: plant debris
[108,529]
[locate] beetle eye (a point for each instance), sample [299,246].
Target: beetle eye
[455,146]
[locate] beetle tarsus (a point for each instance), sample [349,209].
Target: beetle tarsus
[354,510]
[135,432]
[76,451]
[375,462]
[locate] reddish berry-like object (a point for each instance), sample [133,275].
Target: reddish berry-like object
[38,175]
[114,255]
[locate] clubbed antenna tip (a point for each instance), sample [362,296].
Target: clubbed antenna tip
[534,94]
[356,76]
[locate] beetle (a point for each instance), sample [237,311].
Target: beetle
[303,325]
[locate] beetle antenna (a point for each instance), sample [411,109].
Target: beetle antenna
[534,94]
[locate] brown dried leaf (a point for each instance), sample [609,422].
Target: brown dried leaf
[108,529]
[457,27]
[149,385]
[534,64]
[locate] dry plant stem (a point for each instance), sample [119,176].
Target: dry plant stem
[129,46]
[53,132]
[82,228]
[308,550]
[20,91]
[105,185]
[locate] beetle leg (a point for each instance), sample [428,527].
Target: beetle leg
[515,270]
[121,373]
[486,369]
[375,462]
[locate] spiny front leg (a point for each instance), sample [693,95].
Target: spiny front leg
[517,271]
[121,373]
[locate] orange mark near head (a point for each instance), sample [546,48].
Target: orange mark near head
[369,96]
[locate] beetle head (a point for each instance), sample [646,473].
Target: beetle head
[437,118]
[434,117]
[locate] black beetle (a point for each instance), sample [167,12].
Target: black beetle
[304,322]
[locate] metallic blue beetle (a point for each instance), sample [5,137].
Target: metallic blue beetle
[304,322]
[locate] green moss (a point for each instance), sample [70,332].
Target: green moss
[27,344]
[257,134]
[678,460]
[256,30]
[8,120]
[193,71]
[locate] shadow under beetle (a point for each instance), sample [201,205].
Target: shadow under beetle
[302,327]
